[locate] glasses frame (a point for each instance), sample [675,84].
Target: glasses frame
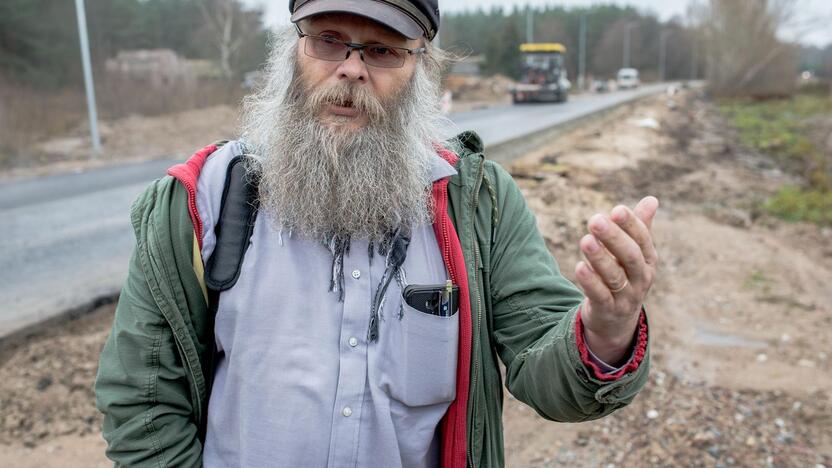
[359,47]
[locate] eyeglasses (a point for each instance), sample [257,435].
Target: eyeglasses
[376,55]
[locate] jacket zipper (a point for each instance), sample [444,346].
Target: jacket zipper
[447,248]
[446,237]
[193,209]
[475,356]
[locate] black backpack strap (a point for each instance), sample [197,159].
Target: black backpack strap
[238,212]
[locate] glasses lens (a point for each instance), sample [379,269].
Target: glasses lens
[383,56]
[325,48]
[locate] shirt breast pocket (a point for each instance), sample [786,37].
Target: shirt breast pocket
[419,357]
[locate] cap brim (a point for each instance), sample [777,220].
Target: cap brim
[380,12]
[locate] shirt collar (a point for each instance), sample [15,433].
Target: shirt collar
[439,168]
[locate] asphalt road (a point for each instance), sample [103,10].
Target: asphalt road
[66,239]
[498,125]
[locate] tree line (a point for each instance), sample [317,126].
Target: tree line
[734,45]
[39,38]
[497,34]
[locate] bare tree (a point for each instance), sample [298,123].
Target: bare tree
[744,54]
[226,18]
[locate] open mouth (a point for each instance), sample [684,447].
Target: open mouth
[344,103]
[344,108]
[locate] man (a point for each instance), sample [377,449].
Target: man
[315,352]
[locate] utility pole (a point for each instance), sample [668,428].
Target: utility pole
[626,53]
[582,56]
[90,88]
[663,55]
[694,62]
[529,24]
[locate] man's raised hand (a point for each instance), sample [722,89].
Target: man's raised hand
[620,266]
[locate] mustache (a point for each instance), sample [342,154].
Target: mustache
[348,95]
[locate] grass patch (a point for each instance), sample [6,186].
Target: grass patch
[796,204]
[757,280]
[780,129]
[777,127]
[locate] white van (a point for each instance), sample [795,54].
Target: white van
[628,78]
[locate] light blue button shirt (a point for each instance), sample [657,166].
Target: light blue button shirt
[297,383]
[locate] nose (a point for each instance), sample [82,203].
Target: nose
[353,68]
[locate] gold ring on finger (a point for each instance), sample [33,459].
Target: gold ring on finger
[617,290]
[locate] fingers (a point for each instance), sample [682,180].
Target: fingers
[620,245]
[637,230]
[621,259]
[646,209]
[604,264]
[594,288]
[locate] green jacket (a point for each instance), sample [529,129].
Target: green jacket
[154,375]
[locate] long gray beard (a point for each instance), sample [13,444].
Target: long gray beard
[320,180]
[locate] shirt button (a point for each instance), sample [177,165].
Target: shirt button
[353,342]
[347,412]
[356,274]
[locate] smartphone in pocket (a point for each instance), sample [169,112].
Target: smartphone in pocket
[441,300]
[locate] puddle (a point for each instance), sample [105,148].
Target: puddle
[711,338]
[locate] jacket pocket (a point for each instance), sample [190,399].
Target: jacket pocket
[419,357]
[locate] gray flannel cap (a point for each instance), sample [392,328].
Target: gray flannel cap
[403,16]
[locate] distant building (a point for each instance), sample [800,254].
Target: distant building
[469,66]
[159,68]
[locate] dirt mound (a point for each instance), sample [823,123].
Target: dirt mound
[478,88]
[739,315]
[675,422]
[46,382]
[131,139]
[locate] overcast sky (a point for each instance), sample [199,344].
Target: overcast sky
[812,28]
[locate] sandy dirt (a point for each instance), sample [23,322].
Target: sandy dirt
[740,314]
[131,139]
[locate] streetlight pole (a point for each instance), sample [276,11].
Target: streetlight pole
[88,83]
[529,24]
[582,56]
